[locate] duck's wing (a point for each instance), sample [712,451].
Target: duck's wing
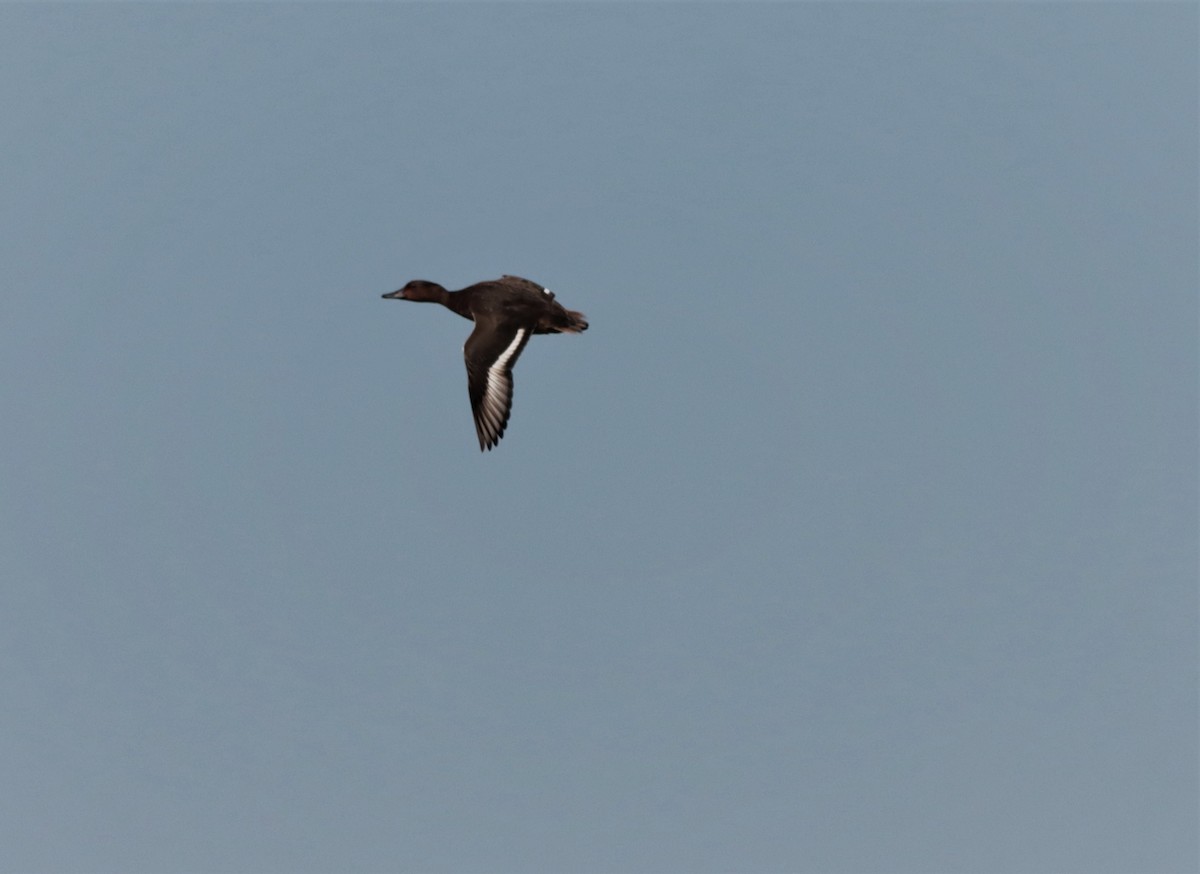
[525,285]
[491,351]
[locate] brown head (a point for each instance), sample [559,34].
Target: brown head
[419,289]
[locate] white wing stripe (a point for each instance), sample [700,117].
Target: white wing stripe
[496,395]
[501,363]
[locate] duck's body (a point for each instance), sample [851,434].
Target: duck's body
[506,312]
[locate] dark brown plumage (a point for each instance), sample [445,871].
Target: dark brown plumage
[506,312]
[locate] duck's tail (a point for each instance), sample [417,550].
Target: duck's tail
[575,323]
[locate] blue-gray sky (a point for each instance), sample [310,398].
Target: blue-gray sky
[859,533]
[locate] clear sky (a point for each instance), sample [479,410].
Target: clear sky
[858,534]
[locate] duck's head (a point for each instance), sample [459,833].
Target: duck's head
[418,289]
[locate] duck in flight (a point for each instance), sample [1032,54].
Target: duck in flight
[506,312]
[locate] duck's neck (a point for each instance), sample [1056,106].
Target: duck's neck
[456,301]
